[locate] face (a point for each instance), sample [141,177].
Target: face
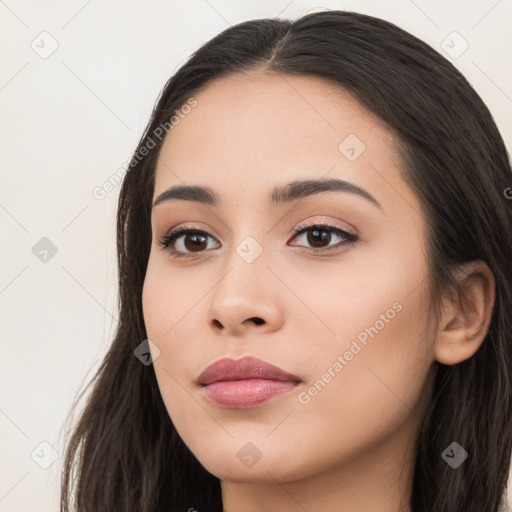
[341,305]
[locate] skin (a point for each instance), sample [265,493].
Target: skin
[351,447]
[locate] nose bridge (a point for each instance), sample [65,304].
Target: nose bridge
[246,265]
[248,240]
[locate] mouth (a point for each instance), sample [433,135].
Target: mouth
[244,383]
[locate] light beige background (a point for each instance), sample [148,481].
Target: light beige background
[68,122]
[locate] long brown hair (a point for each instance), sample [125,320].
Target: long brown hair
[125,454]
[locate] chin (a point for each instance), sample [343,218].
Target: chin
[235,464]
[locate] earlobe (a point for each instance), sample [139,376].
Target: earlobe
[466,317]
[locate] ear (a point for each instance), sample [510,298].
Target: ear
[466,317]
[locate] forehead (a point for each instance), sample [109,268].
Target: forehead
[249,132]
[259,113]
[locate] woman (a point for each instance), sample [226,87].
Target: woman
[315,285]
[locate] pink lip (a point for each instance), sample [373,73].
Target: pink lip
[244,383]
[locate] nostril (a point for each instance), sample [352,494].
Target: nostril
[257,320]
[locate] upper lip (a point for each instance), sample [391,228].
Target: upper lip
[227,369]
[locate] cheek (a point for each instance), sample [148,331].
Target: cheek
[370,395]
[386,352]
[170,306]
[167,298]
[372,296]
[377,322]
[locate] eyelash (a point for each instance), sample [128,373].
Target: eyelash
[172,236]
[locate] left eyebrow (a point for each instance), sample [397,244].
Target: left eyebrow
[303,188]
[280,195]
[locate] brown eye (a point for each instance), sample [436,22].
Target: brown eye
[319,236]
[194,242]
[185,242]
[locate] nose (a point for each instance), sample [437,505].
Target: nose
[247,299]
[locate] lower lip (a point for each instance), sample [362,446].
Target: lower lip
[244,394]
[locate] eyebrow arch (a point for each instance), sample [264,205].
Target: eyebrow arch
[280,195]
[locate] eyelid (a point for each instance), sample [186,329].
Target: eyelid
[311,224]
[192,226]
